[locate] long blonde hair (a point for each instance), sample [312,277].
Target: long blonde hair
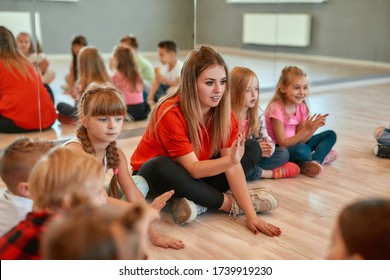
[12,57]
[102,100]
[127,66]
[91,67]
[196,62]
[60,173]
[286,76]
[239,79]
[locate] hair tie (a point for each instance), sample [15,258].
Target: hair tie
[116,171]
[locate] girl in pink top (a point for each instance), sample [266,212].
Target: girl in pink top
[244,88]
[129,81]
[290,125]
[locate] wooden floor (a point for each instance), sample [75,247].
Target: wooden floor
[308,206]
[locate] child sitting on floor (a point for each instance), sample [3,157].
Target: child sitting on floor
[55,185]
[290,125]
[244,88]
[15,166]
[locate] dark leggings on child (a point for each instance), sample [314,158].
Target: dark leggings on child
[164,174]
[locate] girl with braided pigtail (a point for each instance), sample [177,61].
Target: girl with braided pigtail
[102,111]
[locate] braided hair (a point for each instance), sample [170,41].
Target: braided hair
[102,100]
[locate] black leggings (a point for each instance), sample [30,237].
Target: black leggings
[164,174]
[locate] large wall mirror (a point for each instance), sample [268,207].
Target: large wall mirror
[103,23]
[334,41]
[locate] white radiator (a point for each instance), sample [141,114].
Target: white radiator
[277,29]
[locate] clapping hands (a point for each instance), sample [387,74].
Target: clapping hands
[315,121]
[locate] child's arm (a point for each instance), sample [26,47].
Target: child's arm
[156,238]
[71,77]
[206,168]
[132,193]
[153,90]
[126,182]
[304,130]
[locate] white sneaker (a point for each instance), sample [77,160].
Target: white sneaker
[263,200]
[185,211]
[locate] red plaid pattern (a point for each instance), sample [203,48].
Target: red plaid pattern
[22,242]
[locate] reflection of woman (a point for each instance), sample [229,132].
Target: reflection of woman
[25,104]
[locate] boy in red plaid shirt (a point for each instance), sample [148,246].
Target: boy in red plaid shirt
[55,185]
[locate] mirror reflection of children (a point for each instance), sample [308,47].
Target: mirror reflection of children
[78,42]
[167,76]
[290,125]
[128,80]
[362,231]
[19,85]
[144,66]
[36,55]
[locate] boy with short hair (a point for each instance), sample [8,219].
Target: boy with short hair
[55,186]
[168,75]
[15,166]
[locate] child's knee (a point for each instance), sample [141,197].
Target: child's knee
[301,153]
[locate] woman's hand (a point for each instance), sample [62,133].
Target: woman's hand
[238,149]
[258,224]
[159,202]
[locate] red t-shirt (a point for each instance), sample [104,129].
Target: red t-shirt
[173,138]
[19,99]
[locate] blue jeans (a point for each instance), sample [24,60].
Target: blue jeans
[317,148]
[279,157]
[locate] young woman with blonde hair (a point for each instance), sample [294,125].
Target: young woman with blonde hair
[192,145]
